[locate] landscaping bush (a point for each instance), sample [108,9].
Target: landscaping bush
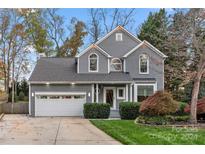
[21,96]
[161,120]
[96,110]
[161,103]
[200,107]
[129,110]
[180,110]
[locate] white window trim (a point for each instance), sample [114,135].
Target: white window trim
[116,37]
[147,65]
[89,63]
[108,65]
[121,88]
[117,63]
[143,84]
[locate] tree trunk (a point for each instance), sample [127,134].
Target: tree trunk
[13,86]
[194,99]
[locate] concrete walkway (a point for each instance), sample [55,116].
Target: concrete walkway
[21,129]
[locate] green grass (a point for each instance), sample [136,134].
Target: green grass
[127,132]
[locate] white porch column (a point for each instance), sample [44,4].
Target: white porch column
[92,93]
[135,93]
[131,92]
[97,92]
[126,90]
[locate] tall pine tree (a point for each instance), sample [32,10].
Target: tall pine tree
[163,33]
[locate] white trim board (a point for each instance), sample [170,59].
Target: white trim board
[96,47]
[60,93]
[117,28]
[149,46]
[77,82]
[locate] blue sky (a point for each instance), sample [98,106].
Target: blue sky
[83,15]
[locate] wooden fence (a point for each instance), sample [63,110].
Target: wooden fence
[18,108]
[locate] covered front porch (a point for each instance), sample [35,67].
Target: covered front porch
[113,94]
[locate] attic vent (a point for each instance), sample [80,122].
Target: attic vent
[118,36]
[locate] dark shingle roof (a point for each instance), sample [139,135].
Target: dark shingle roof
[64,70]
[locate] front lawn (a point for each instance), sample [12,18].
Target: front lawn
[127,132]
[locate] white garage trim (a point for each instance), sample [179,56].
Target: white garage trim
[60,93]
[59,103]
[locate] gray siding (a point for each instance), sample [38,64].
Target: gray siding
[58,88]
[118,49]
[83,62]
[156,66]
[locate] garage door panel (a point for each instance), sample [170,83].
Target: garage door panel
[59,107]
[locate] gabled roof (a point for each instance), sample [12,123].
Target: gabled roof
[95,47]
[117,28]
[63,70]
[148,45]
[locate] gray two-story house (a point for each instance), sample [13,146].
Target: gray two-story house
[119,67]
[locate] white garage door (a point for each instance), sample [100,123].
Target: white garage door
[59,104]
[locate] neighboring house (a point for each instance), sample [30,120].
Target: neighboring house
[119,67]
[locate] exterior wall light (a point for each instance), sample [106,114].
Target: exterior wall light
[72,83]
[47,83]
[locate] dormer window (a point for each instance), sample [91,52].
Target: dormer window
[93,63]
[116,64]
[144,64]
[118,37]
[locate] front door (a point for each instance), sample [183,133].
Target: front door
[109,96]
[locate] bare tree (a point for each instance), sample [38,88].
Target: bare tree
[55,27]
[104,20]
[94,28]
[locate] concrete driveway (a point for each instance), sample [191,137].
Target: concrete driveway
[21,129]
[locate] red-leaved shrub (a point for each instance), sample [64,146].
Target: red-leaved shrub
[161,103]
[200,106]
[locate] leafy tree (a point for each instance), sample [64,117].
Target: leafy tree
[164,35]
[37,30]
[72,44]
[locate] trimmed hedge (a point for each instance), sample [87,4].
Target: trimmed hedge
[96,110]
[161,120]
[129,110]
